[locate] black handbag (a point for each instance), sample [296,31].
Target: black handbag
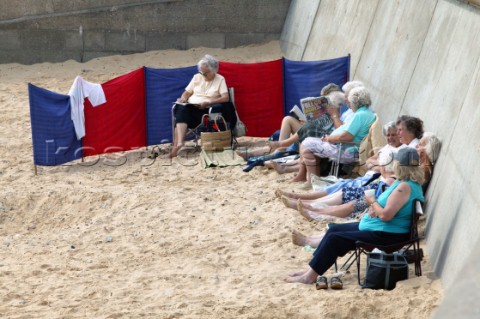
[385,270]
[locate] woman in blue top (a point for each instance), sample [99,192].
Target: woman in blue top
[313,149]
[387,222]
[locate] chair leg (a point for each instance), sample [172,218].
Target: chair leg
[417,256]
[349,262]
[358,254]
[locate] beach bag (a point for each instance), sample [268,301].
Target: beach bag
[240,129]
[216,136]
[384,270]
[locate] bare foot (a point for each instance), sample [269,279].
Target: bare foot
[299,239]
[280,193]
[279,167]
[242,154]
[175,150]
[290,203]
[309,277]
[297,273]
[304,211]
[302,240]
[273,145]
[299,178]
[268,164]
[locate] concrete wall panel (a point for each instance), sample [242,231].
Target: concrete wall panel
[340,28]
[390,53]
[444,70]
[457,172]
[297,27]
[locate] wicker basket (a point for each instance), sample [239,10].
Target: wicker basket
[216,141]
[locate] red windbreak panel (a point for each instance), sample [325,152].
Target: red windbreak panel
[258,94]
[119,124]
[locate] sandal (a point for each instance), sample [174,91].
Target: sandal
[321,283]
[336,283]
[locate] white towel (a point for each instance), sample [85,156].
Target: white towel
[80,90]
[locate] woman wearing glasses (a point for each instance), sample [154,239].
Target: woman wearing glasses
[206,88]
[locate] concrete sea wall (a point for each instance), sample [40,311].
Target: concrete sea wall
[34,31]
[419,58]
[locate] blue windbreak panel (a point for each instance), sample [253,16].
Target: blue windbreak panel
[163,87]
[306,78]
[53,134]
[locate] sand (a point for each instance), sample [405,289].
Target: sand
[120,237]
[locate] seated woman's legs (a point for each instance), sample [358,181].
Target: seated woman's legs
[179,138]
[290,126]
[310,164]
[333,245]
[312,195]
[282,144]
[332,199]
[339,211]
[283,168]
[247,153]
[185,117]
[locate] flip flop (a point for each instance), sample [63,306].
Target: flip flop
[321,283]
[336,283]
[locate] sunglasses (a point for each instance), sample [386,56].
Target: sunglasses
[205,74]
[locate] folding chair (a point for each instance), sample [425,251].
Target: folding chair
[193,133]
[413,242]
[356,147]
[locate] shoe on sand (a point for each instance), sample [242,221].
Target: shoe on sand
[321,283]
[336,283]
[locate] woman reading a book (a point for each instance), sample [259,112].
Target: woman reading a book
[207,88]
[314,150]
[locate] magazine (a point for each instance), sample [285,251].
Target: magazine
[297,113]
[314,107]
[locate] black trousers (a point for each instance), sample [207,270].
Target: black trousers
[341,238]
[192,116]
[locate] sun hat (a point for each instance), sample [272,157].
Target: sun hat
[407,156]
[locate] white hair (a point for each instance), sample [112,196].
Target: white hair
[210,62]
[336,98]
[432,146]
[359,97]
[347,87]
[389,126]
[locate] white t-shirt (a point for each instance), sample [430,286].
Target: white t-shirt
[204,91]
[79,91]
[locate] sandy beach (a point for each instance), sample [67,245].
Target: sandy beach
[121,236]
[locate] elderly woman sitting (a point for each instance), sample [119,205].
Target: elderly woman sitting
[346,202]
[387,222]
[313,150]
[409,130]
[206,89]
[389,130]
[318,128]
